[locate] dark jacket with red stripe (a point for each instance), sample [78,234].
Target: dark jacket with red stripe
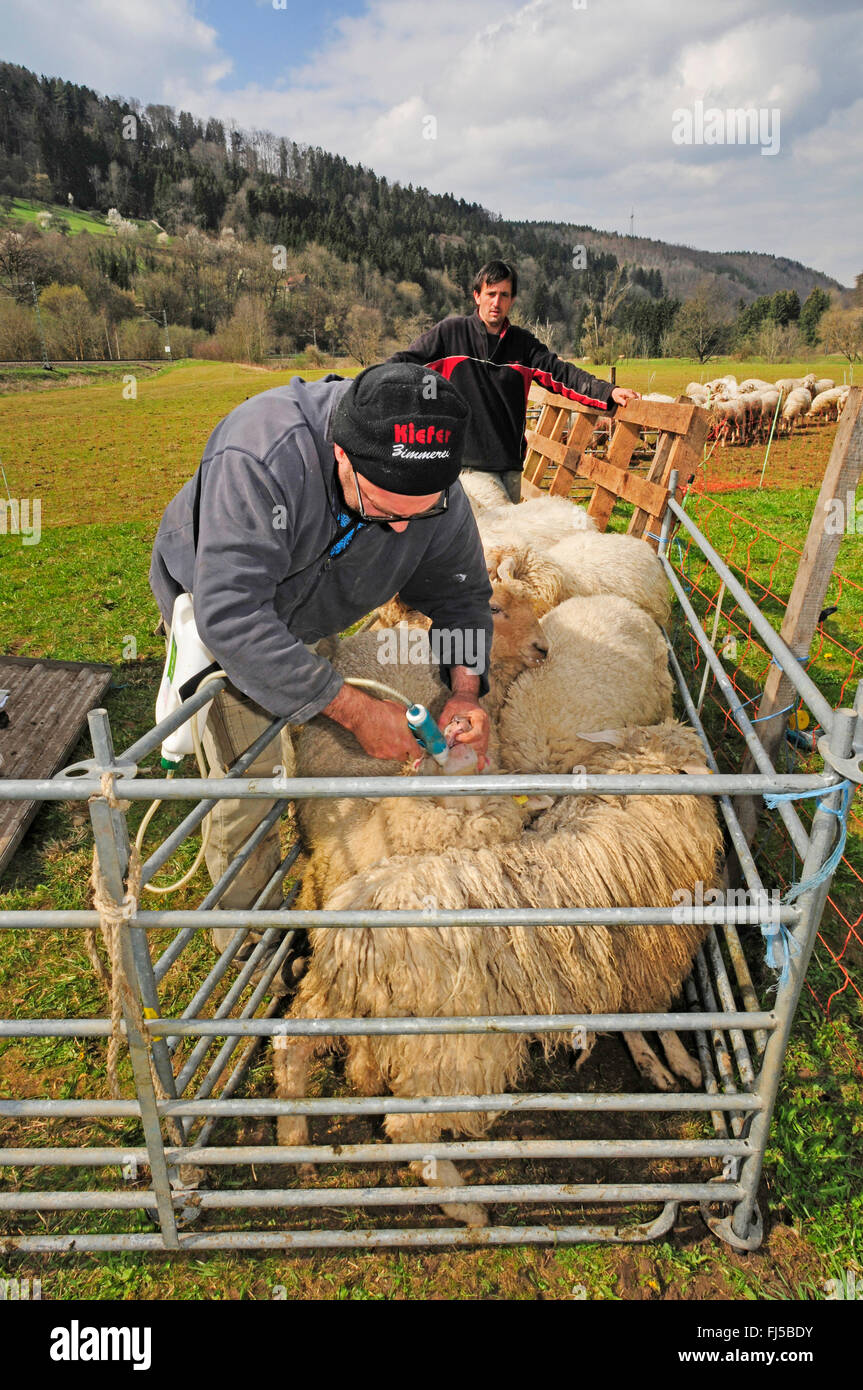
[494,375]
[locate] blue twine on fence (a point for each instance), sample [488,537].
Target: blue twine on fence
[776,934]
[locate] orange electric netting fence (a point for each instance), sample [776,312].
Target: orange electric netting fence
[766,565]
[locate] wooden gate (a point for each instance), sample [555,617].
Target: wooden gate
[681,430]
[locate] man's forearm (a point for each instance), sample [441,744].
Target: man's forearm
[463,681]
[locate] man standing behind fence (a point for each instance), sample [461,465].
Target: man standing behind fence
[493,363]
[307,511]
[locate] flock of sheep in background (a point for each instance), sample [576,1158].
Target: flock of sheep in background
[579,684]
[744,413]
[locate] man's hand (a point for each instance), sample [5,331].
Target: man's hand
[379,726]
[464,703]
[621,394]
[467,707]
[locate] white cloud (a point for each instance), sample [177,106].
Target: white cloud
[119,47]
[542,110]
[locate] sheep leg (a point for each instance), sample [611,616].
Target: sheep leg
[440,1172]
[648,1063]
[291,1061]
[679,1059]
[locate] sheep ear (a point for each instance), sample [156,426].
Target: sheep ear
[612,736]
[696,769]
[506,568]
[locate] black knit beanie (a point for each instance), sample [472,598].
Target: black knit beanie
[403,427]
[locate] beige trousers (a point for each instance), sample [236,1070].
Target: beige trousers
[234,722]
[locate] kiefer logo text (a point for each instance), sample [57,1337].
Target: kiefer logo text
[409,434]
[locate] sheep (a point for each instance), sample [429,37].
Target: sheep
[607,667]
[518,641]
[539,521]
[590,851]
[730,417]
[826,404]
[792,383]
[658,396]
[724,385]
[344,835]
[825,383]
[528,573]
[796,405]
[586,563]
[483,492]
[768,402]
[754,383]
[698,394]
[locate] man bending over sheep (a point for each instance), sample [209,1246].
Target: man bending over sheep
[313,504]
[492,362]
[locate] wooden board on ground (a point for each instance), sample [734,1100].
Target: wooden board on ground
[47,706]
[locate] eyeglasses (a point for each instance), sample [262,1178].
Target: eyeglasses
[440,507]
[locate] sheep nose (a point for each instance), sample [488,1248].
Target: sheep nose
[540,650]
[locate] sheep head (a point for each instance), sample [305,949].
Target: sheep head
[527,573]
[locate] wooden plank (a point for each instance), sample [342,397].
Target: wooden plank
[684,458]
[667,416]
[655,474]
[543,397]
[48,704]
[572,462]
[628,486]
[532,459]
[555,421]
[554,450]
[810,586]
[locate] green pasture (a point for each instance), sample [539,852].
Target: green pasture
[26,210]
[104,467]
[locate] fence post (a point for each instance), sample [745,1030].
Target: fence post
[112,847]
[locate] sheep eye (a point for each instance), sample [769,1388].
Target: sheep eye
[495,608]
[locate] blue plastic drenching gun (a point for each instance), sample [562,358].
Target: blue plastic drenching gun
[427,734]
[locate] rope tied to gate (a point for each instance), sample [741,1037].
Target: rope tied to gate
[780,943]
[113,917]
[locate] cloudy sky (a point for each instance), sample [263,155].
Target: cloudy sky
[558,109]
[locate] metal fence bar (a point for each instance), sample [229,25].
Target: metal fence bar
[775,643]
[490,1023]
[720,1045]
[825,827]
[745,859]
[295,1197]
[726,999]
[357,1027]
[172,789]
[112,849]
[195,919]
[793,823]
[769,1028]
[261,1107]
[155,737]
[372,788]
[245,1155]
[708,1074]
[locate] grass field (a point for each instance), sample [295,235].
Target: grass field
[26,210]
[104,467]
